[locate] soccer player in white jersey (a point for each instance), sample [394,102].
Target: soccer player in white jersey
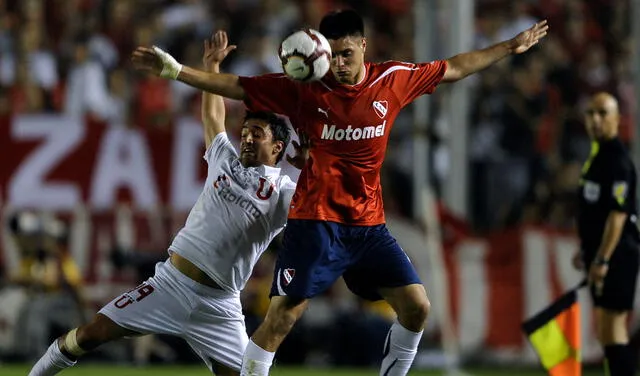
[195,294]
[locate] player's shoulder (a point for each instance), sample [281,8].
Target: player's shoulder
[390,69]
[393,63]
[285,183]
[391,66]
[220,141]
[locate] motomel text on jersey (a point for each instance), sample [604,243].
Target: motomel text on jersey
[242,202]
[351,133]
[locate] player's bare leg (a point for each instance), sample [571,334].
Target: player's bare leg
[221,370]
[613,335]
[65,351]
[412,307]
[283,313]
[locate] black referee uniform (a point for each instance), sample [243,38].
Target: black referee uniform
[608,183]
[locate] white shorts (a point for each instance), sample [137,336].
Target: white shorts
[208,319]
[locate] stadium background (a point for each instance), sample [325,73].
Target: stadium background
[100,165]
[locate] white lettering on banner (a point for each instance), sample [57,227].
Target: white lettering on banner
[351,133]
[537,278]
[472,328]
[187,151]
[27,187]
[123,160]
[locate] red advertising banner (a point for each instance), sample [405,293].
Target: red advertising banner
[58,163]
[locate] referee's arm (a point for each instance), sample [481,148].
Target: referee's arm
[611,235]
[620,207]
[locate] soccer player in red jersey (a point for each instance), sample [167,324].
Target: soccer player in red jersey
[336,224]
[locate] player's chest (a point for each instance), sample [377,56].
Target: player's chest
[247,189]
[363,118]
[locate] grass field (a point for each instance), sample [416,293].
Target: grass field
[105,370]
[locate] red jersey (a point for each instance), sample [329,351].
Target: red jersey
[348,126]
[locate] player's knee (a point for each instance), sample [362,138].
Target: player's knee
[221,370]
[414,313]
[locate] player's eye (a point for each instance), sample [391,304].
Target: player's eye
[599,112]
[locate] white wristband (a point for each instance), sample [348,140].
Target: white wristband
[170,67]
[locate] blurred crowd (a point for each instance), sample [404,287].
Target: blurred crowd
[528,133]
[72,57]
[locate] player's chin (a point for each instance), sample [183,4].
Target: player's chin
[345,79]
[249,160]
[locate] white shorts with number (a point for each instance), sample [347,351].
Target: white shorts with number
[208,319]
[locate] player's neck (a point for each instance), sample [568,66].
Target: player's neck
[360,76]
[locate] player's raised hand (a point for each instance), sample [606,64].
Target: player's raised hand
[302,151]
[216,49]
[530,37]
[155,61]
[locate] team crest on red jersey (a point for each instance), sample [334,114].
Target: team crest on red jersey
[287,276]
[380,107]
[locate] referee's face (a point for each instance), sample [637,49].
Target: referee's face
[602,117]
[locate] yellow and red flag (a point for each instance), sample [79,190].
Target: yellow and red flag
[555,335]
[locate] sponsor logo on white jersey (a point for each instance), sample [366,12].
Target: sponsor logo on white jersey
[223,187]
[352,133]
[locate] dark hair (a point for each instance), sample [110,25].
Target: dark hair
[342,23]
[279,127]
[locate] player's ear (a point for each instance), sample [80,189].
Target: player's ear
[364,44]
[278,146]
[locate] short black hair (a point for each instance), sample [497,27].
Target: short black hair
[278,126]
[342,23]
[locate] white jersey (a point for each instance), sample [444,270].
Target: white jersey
[237,215]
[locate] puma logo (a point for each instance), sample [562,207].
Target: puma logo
[325,112]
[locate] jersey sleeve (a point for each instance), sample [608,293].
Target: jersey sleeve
[220,150]
[271,92]
[622,184]
[287,189]
[422,78]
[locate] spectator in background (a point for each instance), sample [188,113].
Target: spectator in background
[51,278]
[41,63]
[86,91]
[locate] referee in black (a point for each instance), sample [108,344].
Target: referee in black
[608,233]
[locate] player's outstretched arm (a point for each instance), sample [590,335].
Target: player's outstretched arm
[216,50]
[462,65]
[159,63]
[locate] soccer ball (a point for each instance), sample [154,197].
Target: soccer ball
[305,55]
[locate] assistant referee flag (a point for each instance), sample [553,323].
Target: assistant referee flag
[555,335]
